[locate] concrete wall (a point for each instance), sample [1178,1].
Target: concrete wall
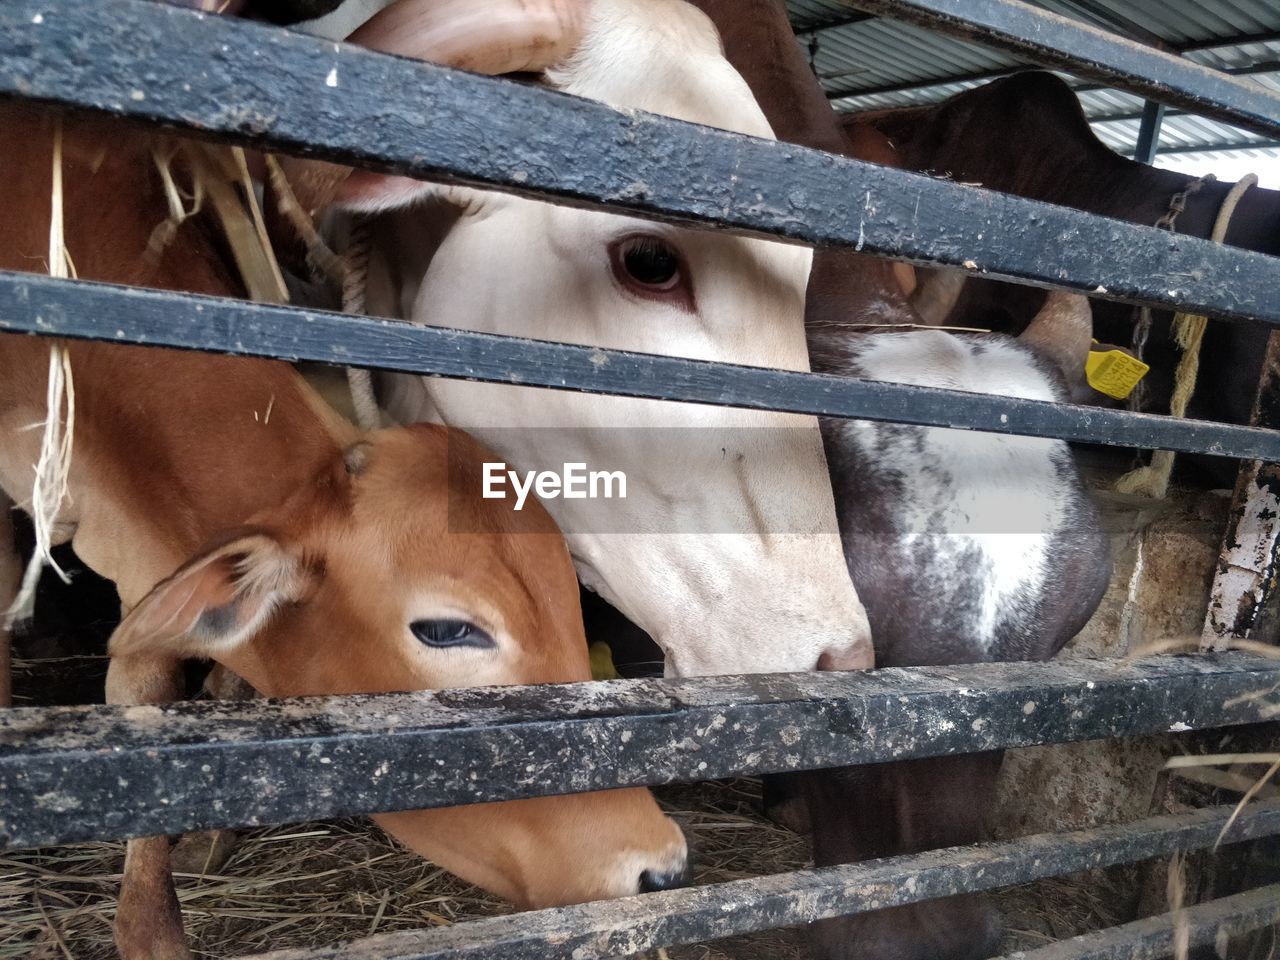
[1164,554]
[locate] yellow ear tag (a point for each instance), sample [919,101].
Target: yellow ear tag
[1114,372]
[602,667]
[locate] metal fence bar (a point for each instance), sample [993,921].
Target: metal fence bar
[76,773]
[1153,938]
[1096,54]
[37,304]
[235,80]
[618,928]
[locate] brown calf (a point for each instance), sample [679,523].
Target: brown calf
[308,560]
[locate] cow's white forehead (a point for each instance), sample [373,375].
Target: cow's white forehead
[662,56]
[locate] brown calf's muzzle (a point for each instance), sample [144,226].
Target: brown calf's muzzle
[547,851]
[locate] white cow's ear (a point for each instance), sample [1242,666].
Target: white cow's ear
[215,601]
[485,36]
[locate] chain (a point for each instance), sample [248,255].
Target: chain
[1142,326]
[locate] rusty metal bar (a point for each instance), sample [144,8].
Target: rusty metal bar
[79,773]
[1153,938]
[624,927]
[65,308]
[269,88]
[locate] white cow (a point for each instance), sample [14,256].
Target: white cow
[726,548]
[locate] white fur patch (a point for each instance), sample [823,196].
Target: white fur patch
[1000,496]
[935,358]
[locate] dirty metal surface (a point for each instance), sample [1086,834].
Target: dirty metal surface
[77,773]
[1250,558]
[617,928]
[1153,938]
[35,304]
[1095,54]
[265,87]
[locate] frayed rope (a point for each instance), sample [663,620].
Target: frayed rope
[54,466]
[1188,330]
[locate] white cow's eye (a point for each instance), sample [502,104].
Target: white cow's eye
[651,262]
[648,266]
[450,633]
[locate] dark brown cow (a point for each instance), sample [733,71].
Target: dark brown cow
[1026,134]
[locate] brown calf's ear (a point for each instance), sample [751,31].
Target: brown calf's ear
[215,601]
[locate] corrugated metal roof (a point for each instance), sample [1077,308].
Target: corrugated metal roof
[878,53]
[872,63]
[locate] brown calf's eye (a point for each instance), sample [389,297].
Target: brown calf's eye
[451,633]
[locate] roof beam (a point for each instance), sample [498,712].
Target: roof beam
[1118,23]
[1262,66]
[1213,43]
[834,24]
[1270,36]
[1149,132]
[925,84]
[1231,147]
[1134,115]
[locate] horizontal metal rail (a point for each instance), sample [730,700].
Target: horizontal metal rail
[624,927]
[1153,938]
[1087,51]
[234,80]
[36,304]
[78,773]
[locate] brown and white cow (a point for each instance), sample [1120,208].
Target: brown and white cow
[965,547]
[726,549]
[244,523]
